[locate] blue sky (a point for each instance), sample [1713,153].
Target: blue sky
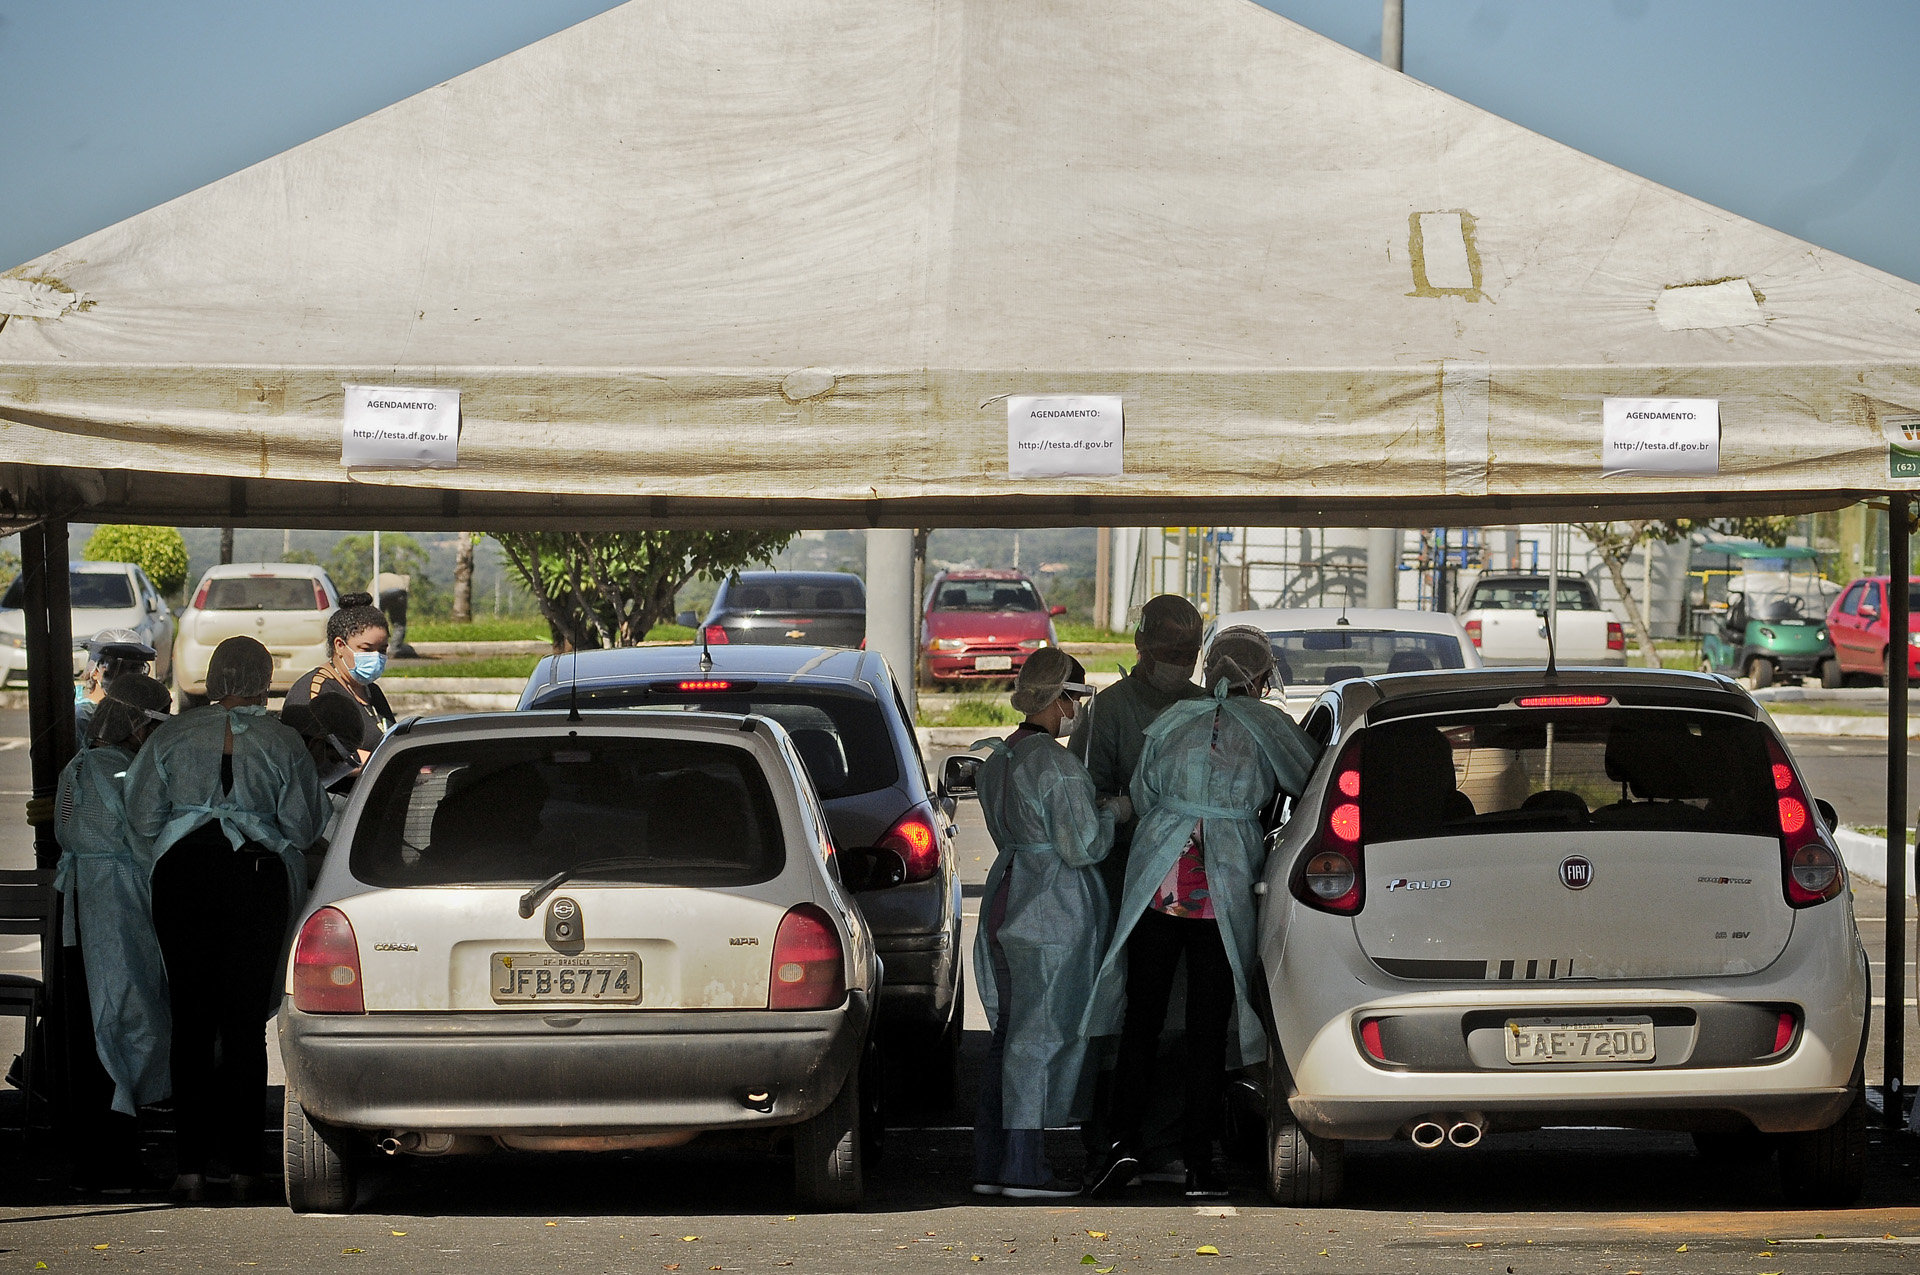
[1800,115]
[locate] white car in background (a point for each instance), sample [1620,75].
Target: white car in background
[103,595]
[1502,616]
[285,605]
[1315,647]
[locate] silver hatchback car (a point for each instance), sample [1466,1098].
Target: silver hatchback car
[1510,900]
[604,931]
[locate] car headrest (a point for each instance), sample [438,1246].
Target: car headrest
[693,815]
[1341,672]
[1655,764]
[495,810]
[954,598]
[1409,781]
[1556,799]
[829,600]
[824,758]
[1410,662]
[1006,599]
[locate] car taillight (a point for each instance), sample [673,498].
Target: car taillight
[715,635]
[1810,867]
[326,966]
[320,597]
[1616,637]
[200,596]
[1329,877]
[1473,632]
[809,970]
[915,840]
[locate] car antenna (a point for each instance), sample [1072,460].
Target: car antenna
[706,652]
[573,686]
[1546,627]
[1343,612]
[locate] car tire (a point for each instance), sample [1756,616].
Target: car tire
[827,1170]
[1827,1167]
[1760,672]
[1830,676]
[321,1162]
[1303,1170]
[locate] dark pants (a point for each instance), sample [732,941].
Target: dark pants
[221,915]
[1153,951]
[107,1150]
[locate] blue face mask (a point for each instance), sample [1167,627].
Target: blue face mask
[368,665]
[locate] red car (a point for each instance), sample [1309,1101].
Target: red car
[1858,626]
[981,626]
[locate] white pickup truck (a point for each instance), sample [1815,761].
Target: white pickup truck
[1501,617]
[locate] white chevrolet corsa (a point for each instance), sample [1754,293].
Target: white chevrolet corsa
[605,931]
[1510,900]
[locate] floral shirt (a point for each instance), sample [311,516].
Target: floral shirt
[1183,891]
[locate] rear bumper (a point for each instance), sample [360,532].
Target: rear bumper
[1768,1112]
[577,1073]
[920,980]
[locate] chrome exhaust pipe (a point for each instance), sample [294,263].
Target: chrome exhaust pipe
[398,1143]
[1465,1134]
[1428,1134]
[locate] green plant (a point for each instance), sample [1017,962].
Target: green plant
[973,711]
[9,567]
[611,588]
[350,563]
[158,551]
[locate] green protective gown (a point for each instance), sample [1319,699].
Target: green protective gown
[107,904]
[1038,803]
[1187,774]
[277,802]
[1108,737]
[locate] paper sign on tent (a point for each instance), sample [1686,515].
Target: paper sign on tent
[387,427]
[1679,436]
[1064,436]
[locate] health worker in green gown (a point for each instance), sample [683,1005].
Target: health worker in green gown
[1209,767]
[106,916]
[1043,925]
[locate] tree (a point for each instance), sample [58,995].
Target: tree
[463,578]
[158,551]
[605,589]
[1616,542]
[350,563]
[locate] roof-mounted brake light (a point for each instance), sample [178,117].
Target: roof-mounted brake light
[1563,701]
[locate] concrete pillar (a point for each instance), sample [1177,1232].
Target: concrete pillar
[1383,566]
[893,629]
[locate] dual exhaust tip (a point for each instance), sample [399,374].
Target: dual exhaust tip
[1461,1131]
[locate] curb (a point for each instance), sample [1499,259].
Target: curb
[1836,726]
[1866,857]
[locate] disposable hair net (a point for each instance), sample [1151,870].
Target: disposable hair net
[132,699]
[240,668]
[1169,624]
[1048,674]
[1241,654]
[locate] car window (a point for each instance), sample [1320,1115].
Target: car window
[794,595]
[986,595]
[1531,595]
[98,590]
[1850,604]
[1599,769]
[262,593]
[499,810]
[1321,657]
[842,738]
[1870,605]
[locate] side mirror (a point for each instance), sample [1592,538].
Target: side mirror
[871,868]
[960,777]
[1055,611]
[1827,813]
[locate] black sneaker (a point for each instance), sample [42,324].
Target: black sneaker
[1115,1172]
[1205,1184]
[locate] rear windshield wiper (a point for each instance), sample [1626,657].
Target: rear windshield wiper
[531,899]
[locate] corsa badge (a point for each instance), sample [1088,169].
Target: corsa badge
[1576,872]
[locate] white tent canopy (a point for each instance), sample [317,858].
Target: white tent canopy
[780,262]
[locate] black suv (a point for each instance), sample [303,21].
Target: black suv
[854,737]
[779,608]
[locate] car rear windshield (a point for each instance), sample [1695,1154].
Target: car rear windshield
[842,738]
[1321,657]
[986,595]
[486,811]
[800,594]
[1604,769]
[262,593]
[1531,595]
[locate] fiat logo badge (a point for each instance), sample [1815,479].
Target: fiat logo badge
[1576,872]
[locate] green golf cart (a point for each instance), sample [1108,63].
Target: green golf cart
[1772,625]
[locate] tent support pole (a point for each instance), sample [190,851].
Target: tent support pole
[1894,984]
[49,633]
[892,623]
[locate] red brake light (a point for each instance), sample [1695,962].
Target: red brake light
[319,597]
[704,684]
[715,635]
[1329,877]
[326,966]
[1473,632]
[1370,1038]
[809,970]
[1810,870]
[1616,639]
[914,840]
[1563,701]
[200,596]
[1783,1033]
